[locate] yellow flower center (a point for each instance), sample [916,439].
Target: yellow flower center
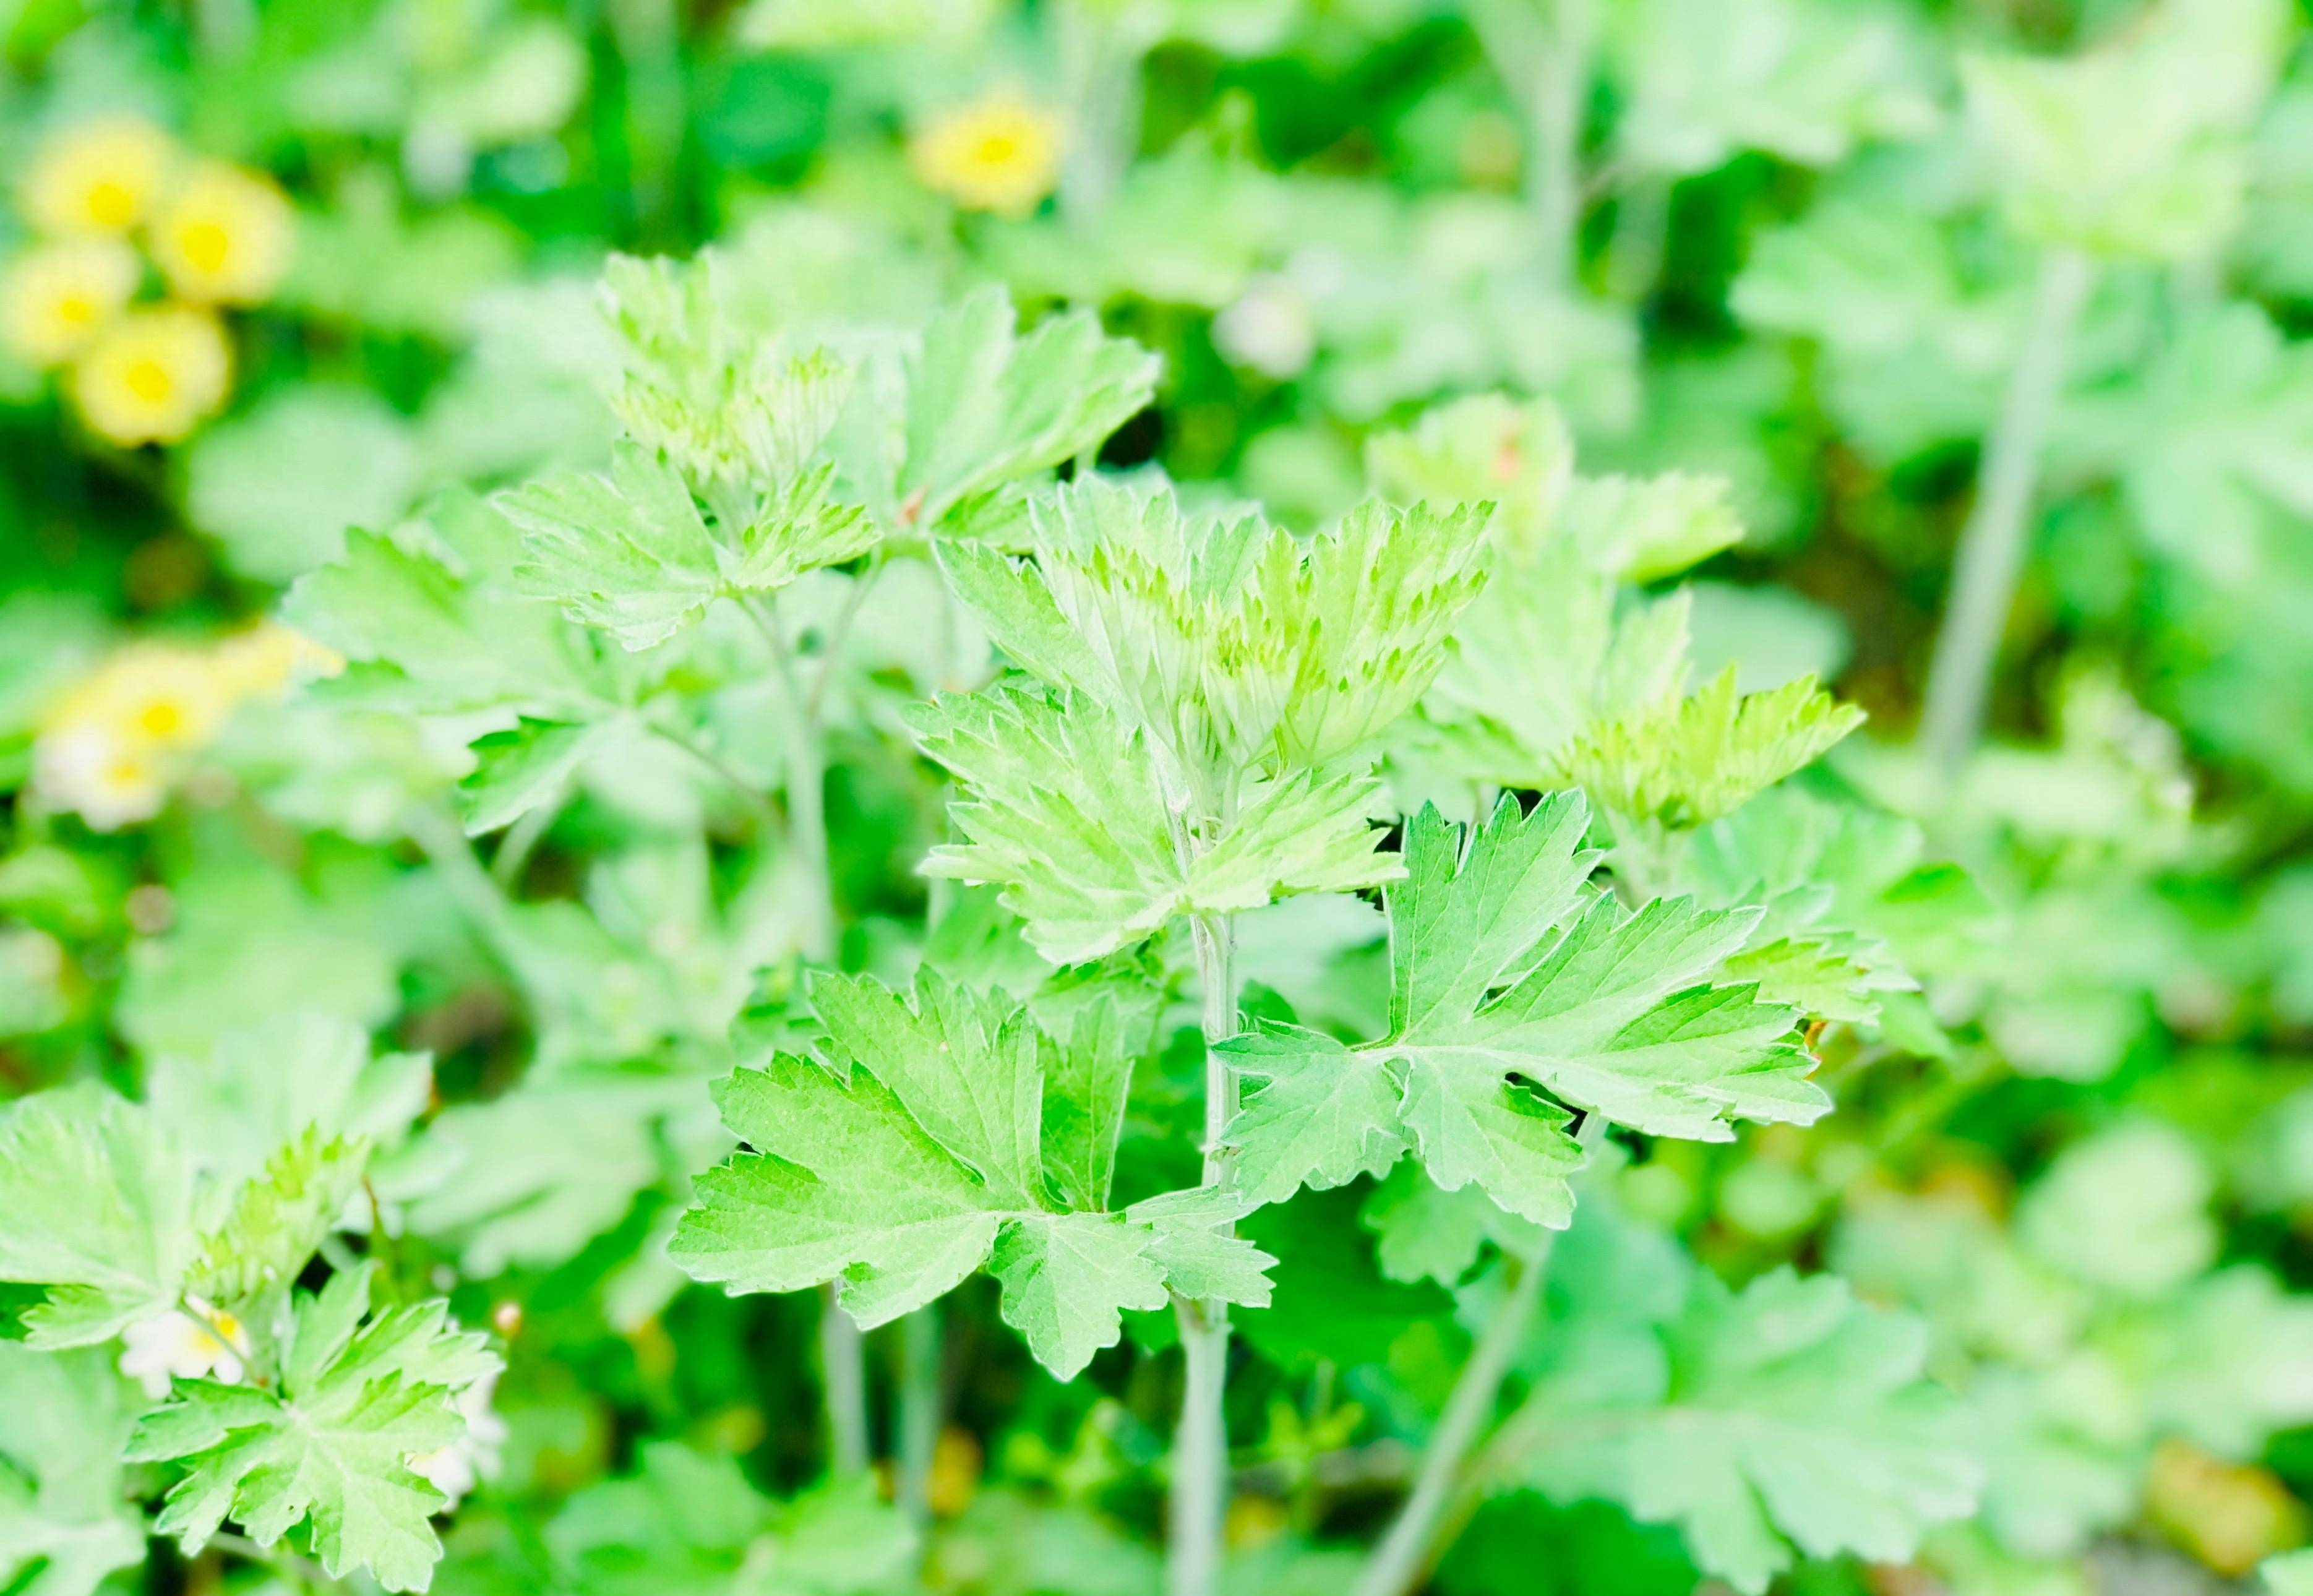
[997,148]
[161,719]
[111,204]
[76,310]
[125,772]
[148,380]
[205,245]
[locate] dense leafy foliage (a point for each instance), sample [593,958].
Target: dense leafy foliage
[1052,797]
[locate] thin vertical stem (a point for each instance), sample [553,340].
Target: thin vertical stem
[843,1376]
[1641,241]
[648,35]
[1102,70]
[806,791]
[842,1351]
[520,839]
[1215,939]
[1561,93]
[479,897]
[1200,1443]
[919,1413]
[1992,545]
[1396,1563]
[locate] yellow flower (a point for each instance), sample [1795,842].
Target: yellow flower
[153,375]
[55,298]
[1001,153]
[163,694]
[224,235]
[98,176]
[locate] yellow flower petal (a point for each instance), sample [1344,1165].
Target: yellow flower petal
[224,235]
[1001,153]
[153,375]
[55,299]
[99,176]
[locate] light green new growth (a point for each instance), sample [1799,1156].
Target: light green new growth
[358,1397]
[1519,458]
[1511,977]
[279,1217]
[985,405]
[1682,762]
[1067,808]
[630,552]
[1551,647]
[214,1198]
[1189,652]
[916,1150]
[732,412]
[1231,643]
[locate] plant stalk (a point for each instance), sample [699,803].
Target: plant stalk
[842,1350]
[478,896]
[1396,1564]
[1992,545]
[1561,93]
[806,790]
[843,1376]
[1541,50]
[1100,66]
[919,1413]
[1199,1490]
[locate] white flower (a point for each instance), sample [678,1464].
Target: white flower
[108,780]
[176,1344]
[1270,329]
[455,1470]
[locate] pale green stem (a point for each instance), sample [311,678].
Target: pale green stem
[1992,545]
[842,1350]
[1396,1564]
[1561,93]
[806,791]
[1102,70]
[843,1377]
[1541,50]
[478,897]
[838,635]
[1199,1486]
[648,36]
[919,1413]
[1642,237]
[520,839]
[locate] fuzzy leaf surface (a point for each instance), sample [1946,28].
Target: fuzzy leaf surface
[1685,761]
[1064,809]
